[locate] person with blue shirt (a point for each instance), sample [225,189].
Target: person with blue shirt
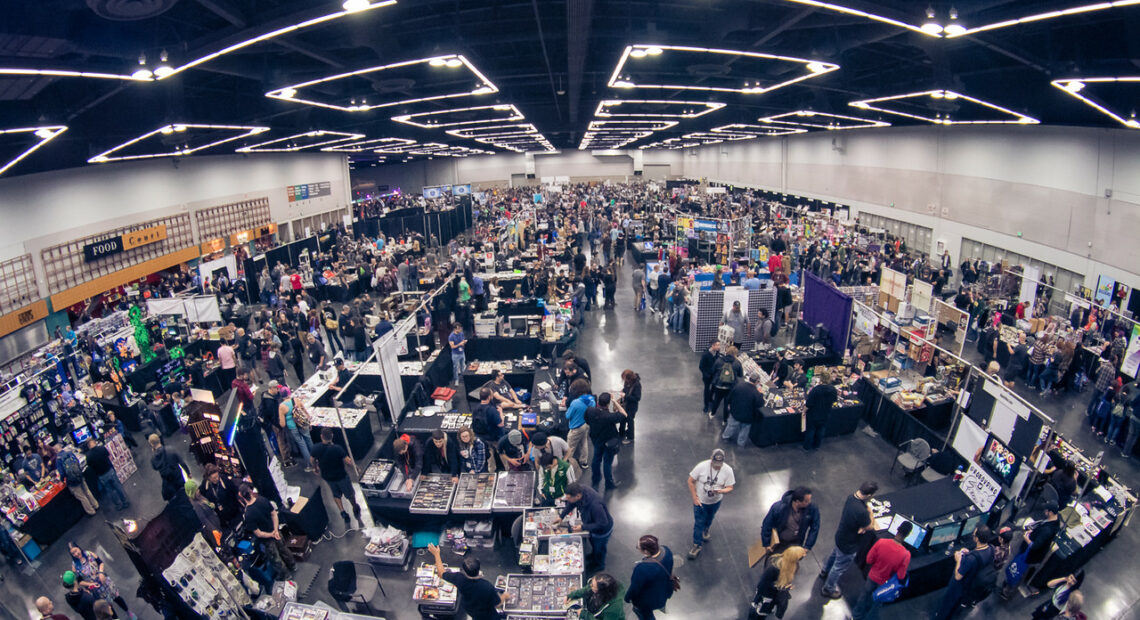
[751,283]
[457,341]
[651,585]
[578,394]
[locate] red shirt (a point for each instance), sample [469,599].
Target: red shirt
[887,557]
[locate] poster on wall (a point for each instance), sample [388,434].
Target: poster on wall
[921,295]
[980,487]
[893,283]
[865,320]
[1132,354]
[1104,287]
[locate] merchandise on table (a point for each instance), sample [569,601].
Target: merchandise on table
[540,522]
[207,585]
[539,593]
[479,533]
[454,421]
[514,491]
[564,556]
[374,480]
[397,489]
[433,495]
[327,416]
[430,588]
[297,611]
[474,494]
[387,546]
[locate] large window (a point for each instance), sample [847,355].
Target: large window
[918,238]
[17,283]
[1063,279]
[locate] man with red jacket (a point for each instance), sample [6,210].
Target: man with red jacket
[887,557]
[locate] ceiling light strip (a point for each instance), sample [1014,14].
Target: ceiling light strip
[1021,119]
[856,12]
[778,119]
[816,69]
[260,147]
[1087,8]
[44,133]
[104,157]
[67,73]
[515,115]
[276,33]
[1073,87]
[709,106]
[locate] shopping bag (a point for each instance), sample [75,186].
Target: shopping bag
[889,592]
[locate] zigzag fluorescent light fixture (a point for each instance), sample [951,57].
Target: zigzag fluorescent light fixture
[450,61]
[718,136]
[245,130]
[507,113]
[706,106]
[1074,86]
[814,68]
[610,139]
[809,119]
[353,7]
[489,131]
[631,125]
[44,134]
[366,145]
[267,147]
[1076,10]
[67,73]
[1018,118]
[757,131]
[846,10]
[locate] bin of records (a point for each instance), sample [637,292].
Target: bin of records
[298,611]
[433,495]
[514,491]
[388,547]
[374,480]
[432,593]
[474,494]
[539,594]
[564,556]
[397,488]
[540,522]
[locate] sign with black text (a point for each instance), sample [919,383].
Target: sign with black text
[308,191]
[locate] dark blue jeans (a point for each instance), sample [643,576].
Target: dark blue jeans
[813,435]
[598,545]
[703,516]
[603,462]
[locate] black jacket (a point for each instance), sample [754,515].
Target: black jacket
[820,400]
[744,402]
[708,364]
[603,424]
[778,514]
[596,517]
[443,462]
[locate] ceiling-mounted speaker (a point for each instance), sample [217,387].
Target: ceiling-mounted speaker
[130,10]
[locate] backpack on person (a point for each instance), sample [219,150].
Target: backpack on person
[726,375]
[773,328]
[301,416]
[72,471]
[984,582]
[479,423]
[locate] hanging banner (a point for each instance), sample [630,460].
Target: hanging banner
[980,488]
[1104,287]
[1132,354]
[1029,285]
[865,320]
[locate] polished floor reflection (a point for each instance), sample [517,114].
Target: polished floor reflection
[672,436]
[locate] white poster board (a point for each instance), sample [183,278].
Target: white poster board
[980,487]
[1029,285]
[969,438]
[386,348]
[922,295]
[207,269]
[203,309]
[865,319]
[893,283]
[1131,361]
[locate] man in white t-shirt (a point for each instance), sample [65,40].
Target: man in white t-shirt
[709,482]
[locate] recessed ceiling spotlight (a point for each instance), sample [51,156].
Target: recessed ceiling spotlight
[954,28]
[437,62]
[931,27]
[653,51]
[352,6]
[454,62]
[639,53]
[482,90]
[166,131]
[163,69]
[817,67]
[142,73]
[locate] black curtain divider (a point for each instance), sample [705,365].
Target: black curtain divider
[446,229]
[278,255]
[252,272]
[414,223]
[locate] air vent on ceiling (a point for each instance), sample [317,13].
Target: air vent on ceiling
[129,10]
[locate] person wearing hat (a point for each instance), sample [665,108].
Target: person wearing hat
[82,600]
[409,458]
[513,451]
[542,443]
[708,482]
[342,376]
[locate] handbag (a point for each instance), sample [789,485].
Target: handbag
[890,591]
[614,445]
[674,581]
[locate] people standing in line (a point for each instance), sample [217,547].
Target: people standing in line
[71,473]
[457,341]
[603,420]
[707,367]
[708,482]
[819,403]
[99,460]
[854,520]
[332,463]
[773,591]
[728,370]
[887,557]
[630,400]
[1105,375]
[601,598]
[596,520]
[744,404]
[580,399]
[973,568]
[791,520]
[651,584]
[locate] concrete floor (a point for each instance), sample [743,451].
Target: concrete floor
[672,436]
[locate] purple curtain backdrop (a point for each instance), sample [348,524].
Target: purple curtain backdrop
[825,304]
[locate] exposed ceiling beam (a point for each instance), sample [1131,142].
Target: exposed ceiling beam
[546,57]
[579,15]
[307,51]
[223,9]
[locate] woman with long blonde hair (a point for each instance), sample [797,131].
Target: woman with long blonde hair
[774,590]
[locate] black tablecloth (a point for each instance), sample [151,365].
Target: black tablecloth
[53,520]
[312,519]
[897,425]
[499,348]
[360,437]
[929,501]
[517,380]
[785,428]
[768,364]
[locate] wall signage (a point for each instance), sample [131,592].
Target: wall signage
[308,191]
[126,241]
